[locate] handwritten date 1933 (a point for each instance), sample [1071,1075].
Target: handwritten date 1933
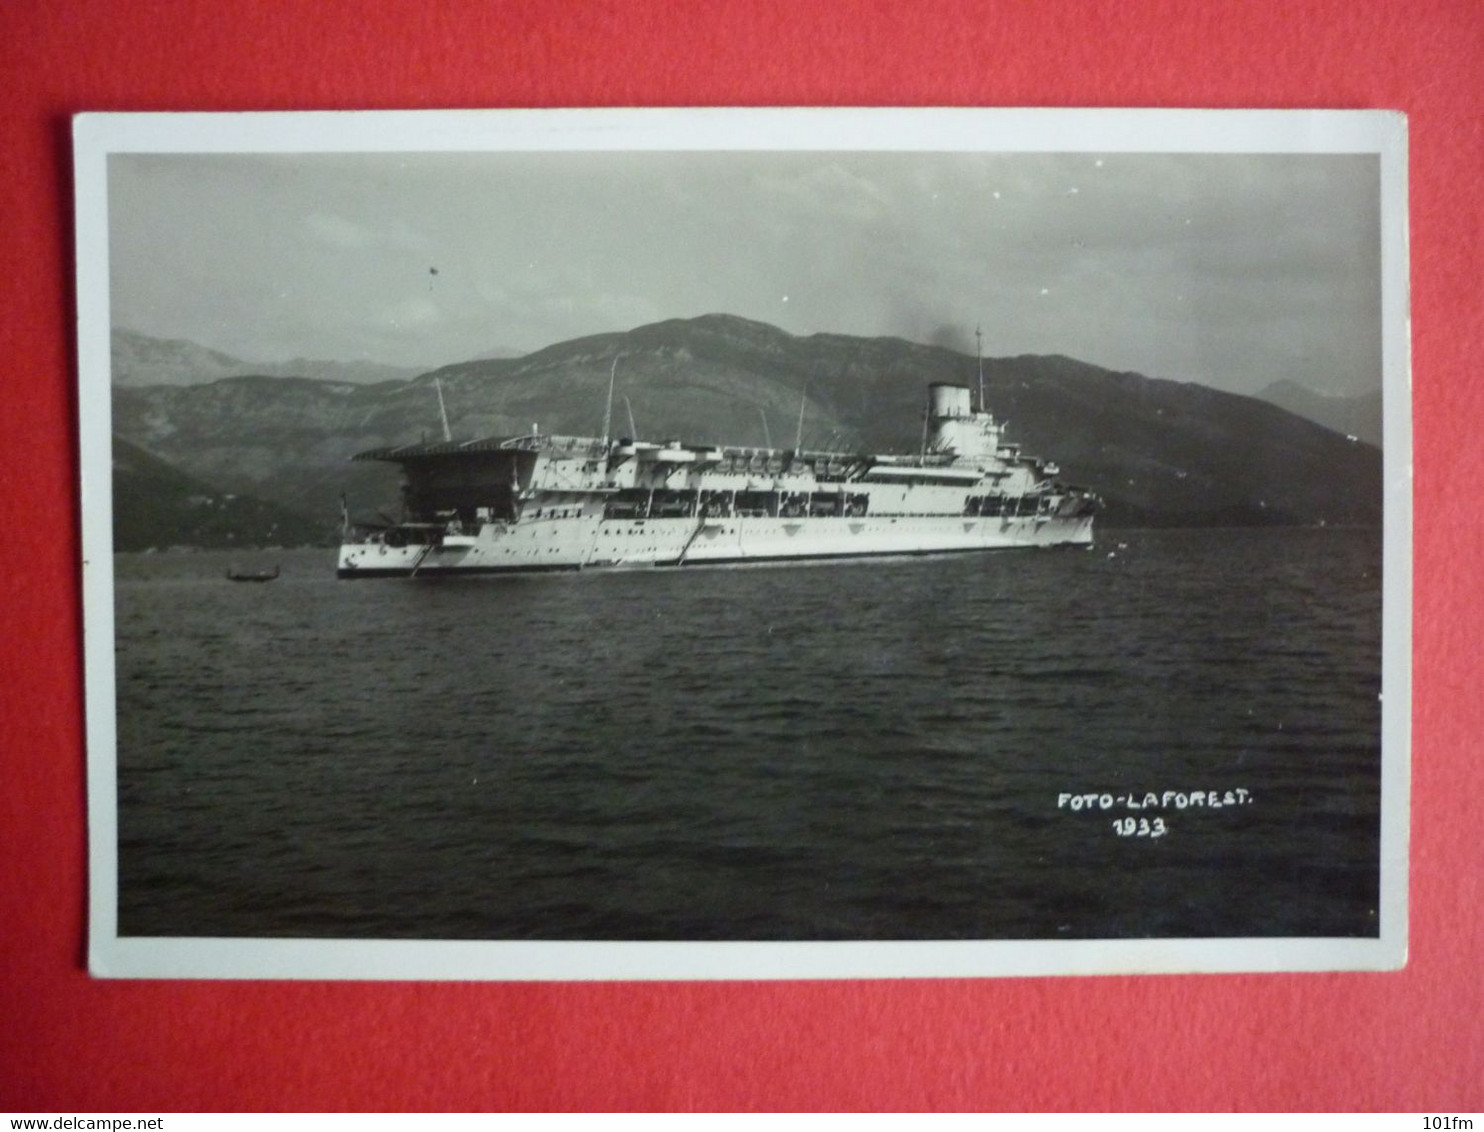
[1140,827]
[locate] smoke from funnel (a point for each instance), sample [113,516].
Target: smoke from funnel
[949,337]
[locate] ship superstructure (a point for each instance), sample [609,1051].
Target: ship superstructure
[542,502]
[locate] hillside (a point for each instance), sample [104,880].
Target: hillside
[138,360]
[1358,416]
[1161,452]
[157,505]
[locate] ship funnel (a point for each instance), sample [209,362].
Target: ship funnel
[947,401]
[954,428]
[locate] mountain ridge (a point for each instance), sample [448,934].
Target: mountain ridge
[1161,452]
[142,359]
[158,506]
[1357,415]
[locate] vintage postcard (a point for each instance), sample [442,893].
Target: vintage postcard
[745,544]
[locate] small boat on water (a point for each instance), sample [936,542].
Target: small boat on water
[252,575]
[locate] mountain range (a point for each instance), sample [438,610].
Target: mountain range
[1160,452]
[1358,416]
[139,359]
[157,505]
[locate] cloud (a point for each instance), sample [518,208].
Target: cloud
[414,314]
[830,189]
[338,232]
[1225,268]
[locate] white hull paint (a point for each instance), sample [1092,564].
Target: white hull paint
[576,544]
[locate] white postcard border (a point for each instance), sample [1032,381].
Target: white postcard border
[96,136]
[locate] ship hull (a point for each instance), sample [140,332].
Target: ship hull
[544,546]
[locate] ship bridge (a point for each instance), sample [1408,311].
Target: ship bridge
[954,426]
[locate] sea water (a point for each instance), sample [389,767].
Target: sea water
[1174,734]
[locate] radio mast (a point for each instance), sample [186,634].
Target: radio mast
[442,411]
[608,412]
[979,351]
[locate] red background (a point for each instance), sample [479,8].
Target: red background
[1409,1040]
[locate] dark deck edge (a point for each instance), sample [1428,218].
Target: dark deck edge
[756,560]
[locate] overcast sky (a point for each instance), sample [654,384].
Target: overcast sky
[1233,271]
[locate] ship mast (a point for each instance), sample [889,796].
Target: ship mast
[803,400]
[608,412]
[767,436]
[979,351]
[443,411]
[633,428]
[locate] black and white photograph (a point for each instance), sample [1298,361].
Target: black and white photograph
[745,544]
